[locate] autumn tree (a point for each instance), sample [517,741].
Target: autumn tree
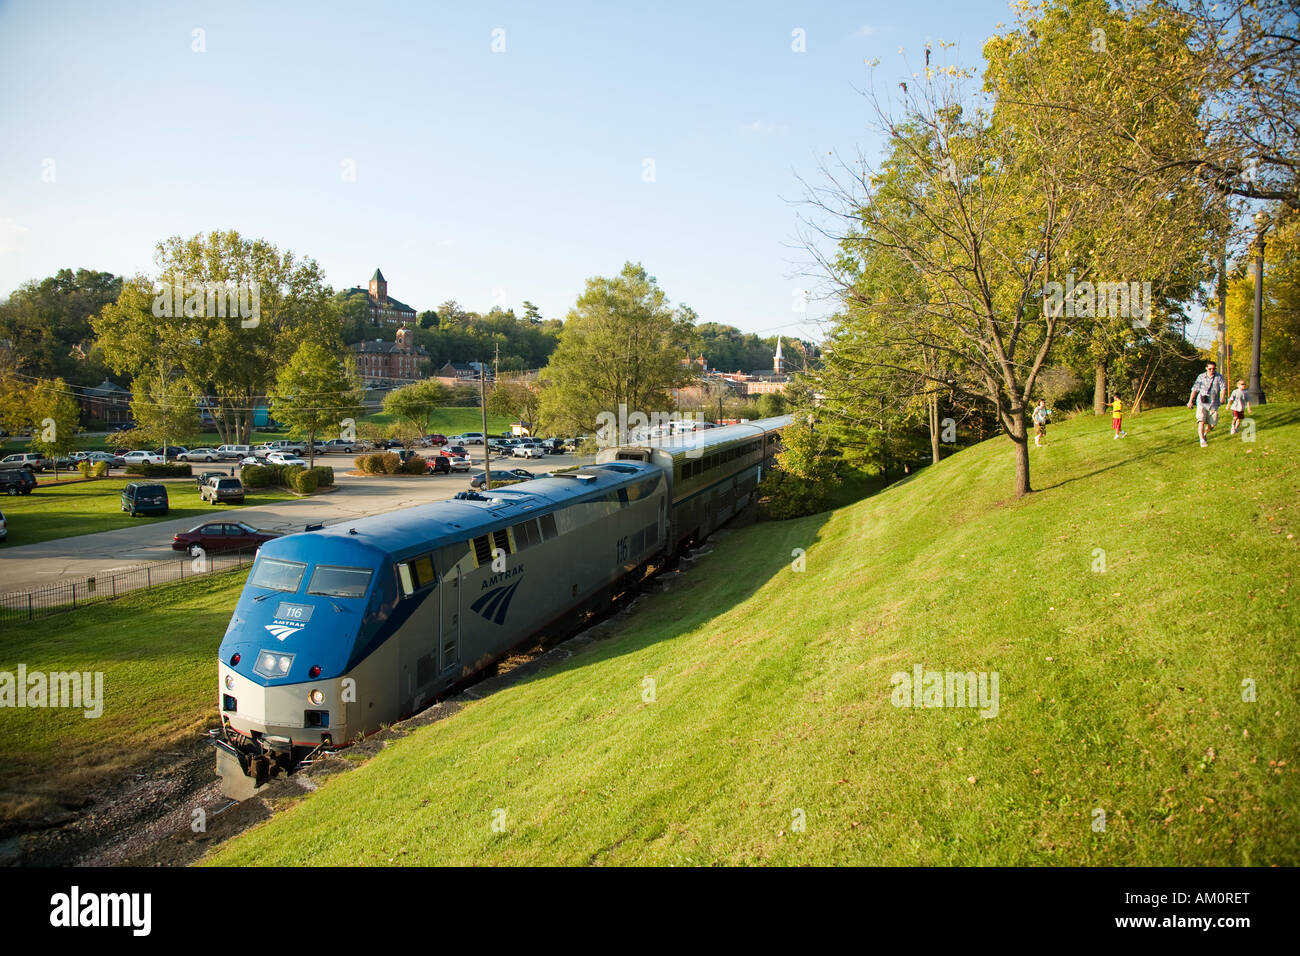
[416,405]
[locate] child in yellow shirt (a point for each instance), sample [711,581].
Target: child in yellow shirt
[1117,417]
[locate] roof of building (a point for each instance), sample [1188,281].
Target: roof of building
[105,387]
[379,346]
[378,275]
[390,301]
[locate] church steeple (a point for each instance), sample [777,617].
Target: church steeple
[778,361]
[378,287]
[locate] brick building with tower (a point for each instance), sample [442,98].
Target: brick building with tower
[384,364]
[384,309]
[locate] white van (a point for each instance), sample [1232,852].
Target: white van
[235,452]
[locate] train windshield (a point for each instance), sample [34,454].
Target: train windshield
[340,582]
[278,575]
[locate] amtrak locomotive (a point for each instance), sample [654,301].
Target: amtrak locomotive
[349,627]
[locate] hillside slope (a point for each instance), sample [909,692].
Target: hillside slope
[771,735]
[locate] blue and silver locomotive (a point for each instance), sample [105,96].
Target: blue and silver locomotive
[341,630]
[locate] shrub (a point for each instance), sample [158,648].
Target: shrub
[392,465]
[415,465]
[99,470]
[147,470]
[277,473]
[324,476]
[83,466]
[301,480]
[255,476]
[370,464]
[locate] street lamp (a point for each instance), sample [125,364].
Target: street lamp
[1254,392]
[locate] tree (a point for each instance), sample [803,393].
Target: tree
[428,320]
[164,408]
[515,400]
[317,393]
[621,348]
[978,211]
[417,404]
[47,323]
[55,417]
[532,313]
[190,321]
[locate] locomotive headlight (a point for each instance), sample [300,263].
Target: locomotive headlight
[316,697]
[230,682]
[271,664]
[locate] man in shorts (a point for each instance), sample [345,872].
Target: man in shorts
[1041,414]
[1208,393]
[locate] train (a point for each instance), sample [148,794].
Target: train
[346,628]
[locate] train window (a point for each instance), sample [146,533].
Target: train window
[278,575]
[482,550]
[547,521]
[339,582]
[423,568]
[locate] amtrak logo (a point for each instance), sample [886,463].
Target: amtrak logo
[494,604]
[281,631]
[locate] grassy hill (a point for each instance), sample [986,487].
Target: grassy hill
[1120,690]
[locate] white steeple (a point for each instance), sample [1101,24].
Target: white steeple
[778,363]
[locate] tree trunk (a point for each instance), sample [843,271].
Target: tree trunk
[934,429]
[1021,438]
[1099,391]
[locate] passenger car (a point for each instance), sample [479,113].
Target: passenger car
[142,458]
[30,461]
[285,458]
[235,452]
[224,489]
[509,474]
[438,465]
[214,536]
[17,481]
[139,498]
[199,454]
[340,445]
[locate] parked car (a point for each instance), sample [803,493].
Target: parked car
[4,527]
[528,451]
[122,427]
[144,499]
[284,458]
[511,474]
[555,446]
[234,452]
[171,451]
[438,465]
[199,454]
[30,461]
[339,445]
[457,457]
[469,438]
[204,477]
[298,447]
[224,489]
[17,481]
[142,457]
[216,536]
[437,441]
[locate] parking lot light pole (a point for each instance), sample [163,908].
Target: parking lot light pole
[487,449]
[1255,392]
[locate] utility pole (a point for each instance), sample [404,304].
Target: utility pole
[496,368]
[487,449]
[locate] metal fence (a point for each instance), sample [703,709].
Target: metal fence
[18,607]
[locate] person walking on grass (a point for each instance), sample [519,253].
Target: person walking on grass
[1238,402]
[1041,414]
[1208,392]
[1117,417]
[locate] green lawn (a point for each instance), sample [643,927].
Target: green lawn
[157,651]
[453,421]
[63,510]
[770,736]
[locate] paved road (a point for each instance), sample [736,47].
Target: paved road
[34,565]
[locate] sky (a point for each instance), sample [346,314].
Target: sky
[484,152]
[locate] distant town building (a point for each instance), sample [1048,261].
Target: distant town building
[383,363]
[107,402]
[462,373]
[384,310]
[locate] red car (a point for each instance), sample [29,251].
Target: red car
[437,441]
[213,536]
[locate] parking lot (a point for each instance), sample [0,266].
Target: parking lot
[357,496]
